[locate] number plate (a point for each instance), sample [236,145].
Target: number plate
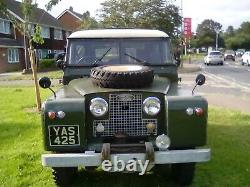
[64,135]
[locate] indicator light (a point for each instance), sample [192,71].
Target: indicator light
[51,115]
[199,112]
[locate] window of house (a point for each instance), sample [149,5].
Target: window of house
[58,34]
[31,28]
[42,53]
[4,27]
[13,55]
[45,32]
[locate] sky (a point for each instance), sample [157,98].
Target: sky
[226,12]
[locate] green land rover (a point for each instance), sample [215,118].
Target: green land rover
[121,109]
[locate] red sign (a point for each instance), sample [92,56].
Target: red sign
[187,27]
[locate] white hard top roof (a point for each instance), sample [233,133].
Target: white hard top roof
[119,33]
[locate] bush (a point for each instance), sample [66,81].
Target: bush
[47,63]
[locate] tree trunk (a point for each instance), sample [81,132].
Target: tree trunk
[34,71]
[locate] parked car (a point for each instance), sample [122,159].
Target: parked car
[229,54]
[121,100]
[246,58]
[240,52]
[55,56]
[214,57]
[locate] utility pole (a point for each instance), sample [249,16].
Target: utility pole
[217,36]
[182,28]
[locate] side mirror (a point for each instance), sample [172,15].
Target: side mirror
[60,63]
[200,79]
[178,62]
[45,82]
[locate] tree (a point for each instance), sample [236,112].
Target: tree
[52,3]
[206,33]
[230,31]
[153,14]
[240,39]
[27,10]
[88,22]
[244,28]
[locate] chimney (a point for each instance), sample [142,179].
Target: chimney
[71,8]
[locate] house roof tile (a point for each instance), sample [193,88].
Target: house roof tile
[39,16]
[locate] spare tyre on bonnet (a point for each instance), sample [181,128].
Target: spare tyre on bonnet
[122,76]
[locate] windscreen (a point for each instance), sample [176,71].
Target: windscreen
[155,51]
[215,53]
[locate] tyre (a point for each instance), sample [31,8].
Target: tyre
[64,176]
[162,170]
[122,76]
[183,173]
[248,63]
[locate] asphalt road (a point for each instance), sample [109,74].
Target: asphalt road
[226,86]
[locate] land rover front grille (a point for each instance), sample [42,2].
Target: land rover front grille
[125,117]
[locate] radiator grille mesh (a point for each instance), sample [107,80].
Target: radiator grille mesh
[125,116]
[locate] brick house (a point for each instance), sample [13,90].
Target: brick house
[14,45]
[70,19]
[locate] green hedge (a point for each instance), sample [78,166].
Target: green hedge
[47,63]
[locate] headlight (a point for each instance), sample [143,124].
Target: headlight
[162,142]
[98,107]
[151,106]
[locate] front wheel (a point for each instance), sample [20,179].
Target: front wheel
[64,176]
[183,173]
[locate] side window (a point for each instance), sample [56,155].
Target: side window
[79,54]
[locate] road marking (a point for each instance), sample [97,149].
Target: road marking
[231,82]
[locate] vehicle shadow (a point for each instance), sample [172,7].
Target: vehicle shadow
[102,179]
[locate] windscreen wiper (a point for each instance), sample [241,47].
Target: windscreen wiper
[100,59]
[143,62]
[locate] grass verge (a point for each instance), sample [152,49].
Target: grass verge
[51,74]
[193,57]
[21,147]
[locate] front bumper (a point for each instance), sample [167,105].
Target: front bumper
[95,159]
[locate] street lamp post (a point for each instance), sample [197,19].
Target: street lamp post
[217,36]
